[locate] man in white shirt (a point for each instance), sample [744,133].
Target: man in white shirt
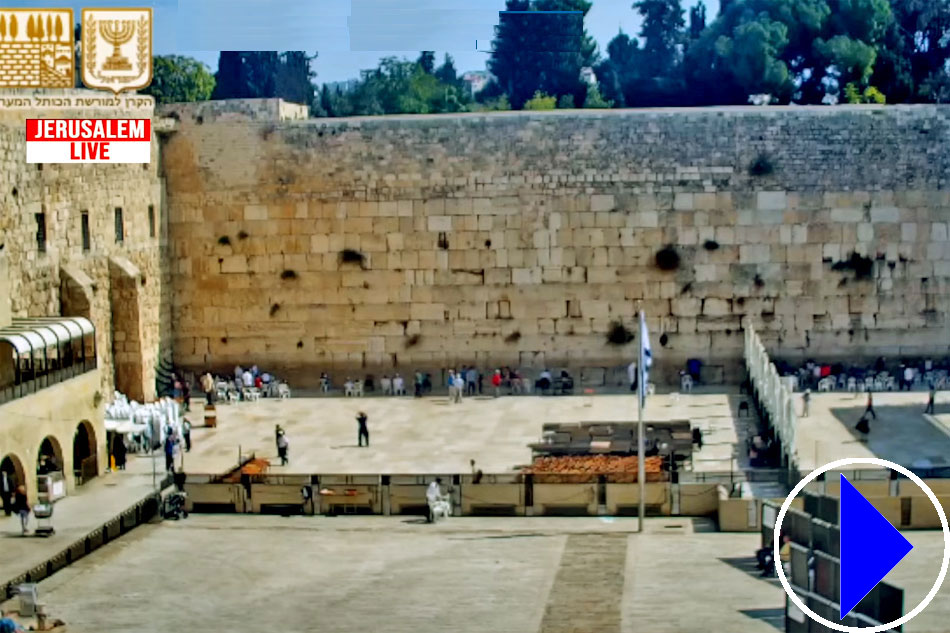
[909,377]
[399,387]
[248,379]
[632,375]
[433,496]
[459,387]
[387,386]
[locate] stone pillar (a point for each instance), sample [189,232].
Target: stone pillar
[5,314]
[127,331]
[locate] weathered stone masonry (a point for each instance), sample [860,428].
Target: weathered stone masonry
[517,238]
[122,286]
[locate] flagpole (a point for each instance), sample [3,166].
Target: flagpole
[641,466]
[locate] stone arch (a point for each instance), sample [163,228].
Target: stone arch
[12,465]
[50,447]
[85,453]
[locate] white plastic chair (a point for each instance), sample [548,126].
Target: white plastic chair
[852,384]
[283,390]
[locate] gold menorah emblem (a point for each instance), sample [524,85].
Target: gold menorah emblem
[117,48]
[117,33]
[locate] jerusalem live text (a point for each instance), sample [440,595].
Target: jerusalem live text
[88,140]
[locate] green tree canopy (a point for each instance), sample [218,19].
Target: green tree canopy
[178,78]
[264,74]
[540,48]
[801,50]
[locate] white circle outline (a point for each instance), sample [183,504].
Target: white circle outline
[847,462]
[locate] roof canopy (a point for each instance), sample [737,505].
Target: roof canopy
[34,334]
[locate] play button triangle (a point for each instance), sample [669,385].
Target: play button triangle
[870,547]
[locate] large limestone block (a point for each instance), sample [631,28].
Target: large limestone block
[754,253]
[771,201]
[427,311]
[255,212]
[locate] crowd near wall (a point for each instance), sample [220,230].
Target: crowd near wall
[520,238]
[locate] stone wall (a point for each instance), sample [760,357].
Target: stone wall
[67,278]
[518,238]
[54,412]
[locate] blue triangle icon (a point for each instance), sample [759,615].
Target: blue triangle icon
[870,547]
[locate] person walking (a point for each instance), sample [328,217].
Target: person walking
[6,492]
[459,386]
[869,410]
[471,381]
[186,433]
[450,383]
[930,398]
[282,447]
[22,507]
[363,431]
[207,385]
[806,400]
[119,451]
[170,453]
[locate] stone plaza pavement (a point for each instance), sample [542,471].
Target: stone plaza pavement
[75,516]
[430,435]
[469,575]
[902,433]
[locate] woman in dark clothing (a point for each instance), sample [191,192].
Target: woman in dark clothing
[363,431]
[22,507]
[118,451]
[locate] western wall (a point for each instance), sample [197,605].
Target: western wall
[519,238]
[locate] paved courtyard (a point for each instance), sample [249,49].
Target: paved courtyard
[390,574]
[901,433]
[409,435]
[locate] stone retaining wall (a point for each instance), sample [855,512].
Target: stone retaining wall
[518,238]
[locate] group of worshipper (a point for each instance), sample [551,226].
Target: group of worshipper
[907,375]
[244,378]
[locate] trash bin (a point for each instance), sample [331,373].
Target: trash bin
[28,599]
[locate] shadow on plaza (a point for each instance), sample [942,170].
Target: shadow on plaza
[902,434]
[747,565]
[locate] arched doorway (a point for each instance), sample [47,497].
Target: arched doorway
[11,468]
[85,466]
[50,456]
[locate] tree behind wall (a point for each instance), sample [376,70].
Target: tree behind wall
[265,74]
[176,78]
[536,49]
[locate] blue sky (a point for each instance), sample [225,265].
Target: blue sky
[201,28]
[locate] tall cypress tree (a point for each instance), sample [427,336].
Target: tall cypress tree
[537,47]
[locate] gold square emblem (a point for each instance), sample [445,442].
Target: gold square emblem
[117,48]
[36,48]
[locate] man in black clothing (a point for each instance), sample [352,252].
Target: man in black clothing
[869,410]
[931,398]
[363,432]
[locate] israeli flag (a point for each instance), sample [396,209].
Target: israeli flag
[646,360]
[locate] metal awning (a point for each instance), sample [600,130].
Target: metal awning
[57,327]
[28,336]
[34,340]
[20,344]
[66,328]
